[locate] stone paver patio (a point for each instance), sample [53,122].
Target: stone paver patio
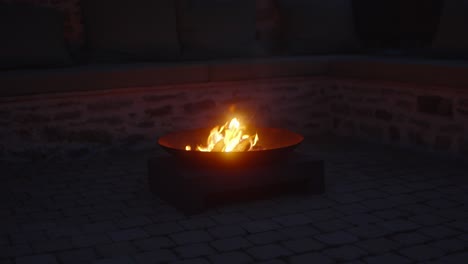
[381,205]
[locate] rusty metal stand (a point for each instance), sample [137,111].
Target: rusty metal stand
[195,189]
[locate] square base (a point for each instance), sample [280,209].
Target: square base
[194,189]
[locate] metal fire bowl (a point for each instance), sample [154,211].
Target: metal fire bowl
[275,145]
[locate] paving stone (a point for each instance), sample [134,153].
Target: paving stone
[89,240]
[421,252]
[271,261]
[454,214]
[457,258]
[4,241]
[233,257]
[116,249]
[169,216]
[232,243]
[420,185]
[428,195]
[410,238]
[197,223]
[355,262]
[396,188]
[345,253]
[372,193]
[232,208]
[192,261]
[122,181]
[292,220]
[449,245]
[318,202]
[354,208]
[356,187]
[401,199]
[156,256]
[37,259]
[128,234]
[428,219]
[76,220]
[193,236]
[299,231]
[463,237]
[331,225]
[194,250]
[390,214]
[266,237]
[268,251]
[52,245]
[368,231]
[438,231]
[153,243]
[261,213]
[82,255]
[461,225]
[260,226]
[163,228]
[388,258]
[361,219]
[337,238]
[27,237]
[134,221]
[398,225]
[377,245]
[288,205]
[36,226]
[323,214]
[225,231]
[230,218]
[302,245]
[441,203]
[105,214]
[310,258]
[15,251]
[345,198]
[100,227]
[416,208]
[116,260]
[77,211]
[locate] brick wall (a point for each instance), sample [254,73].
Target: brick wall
[433,119]
[430,119]
[77,124]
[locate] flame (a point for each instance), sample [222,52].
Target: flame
[228,138]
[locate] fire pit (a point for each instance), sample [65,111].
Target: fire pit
[233,165]
[276,144]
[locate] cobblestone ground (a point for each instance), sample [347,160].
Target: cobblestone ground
[381,205]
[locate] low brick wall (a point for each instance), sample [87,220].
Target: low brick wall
[74,125]
[433,119]
[77,124]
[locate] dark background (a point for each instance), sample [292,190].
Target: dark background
[397,23]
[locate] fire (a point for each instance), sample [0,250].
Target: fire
[228,138]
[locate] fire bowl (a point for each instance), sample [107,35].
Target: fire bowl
[275,144]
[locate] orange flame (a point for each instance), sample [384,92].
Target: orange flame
[230,139]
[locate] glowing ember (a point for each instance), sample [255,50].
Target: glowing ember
[228,138]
